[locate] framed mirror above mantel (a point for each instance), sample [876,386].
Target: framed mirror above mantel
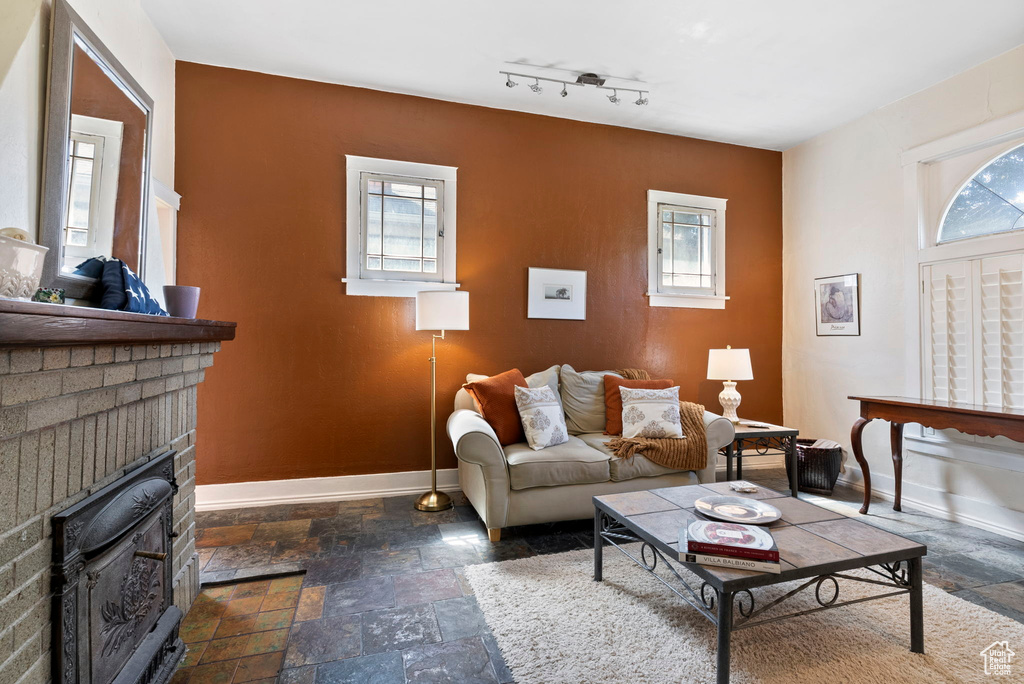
[96,163]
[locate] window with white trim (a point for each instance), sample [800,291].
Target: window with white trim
[991,202]
[400,236]
[686,250]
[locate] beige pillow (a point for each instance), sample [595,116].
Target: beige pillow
[651,413]
[547,377]
[583,399]
[542,417]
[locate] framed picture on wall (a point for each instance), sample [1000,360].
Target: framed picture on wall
[837,304]
[557,293]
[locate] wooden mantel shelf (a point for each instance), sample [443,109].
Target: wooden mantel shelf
[32,324]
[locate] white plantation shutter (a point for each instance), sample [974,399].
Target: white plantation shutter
[949,375]
[1000,380]
[973,322]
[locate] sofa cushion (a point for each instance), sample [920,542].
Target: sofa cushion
[548,376]
[613,399]
[583,399]
[497,401]
[621,469]
[542,417]
[570,463]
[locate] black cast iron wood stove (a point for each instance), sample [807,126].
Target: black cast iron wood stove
[114,616]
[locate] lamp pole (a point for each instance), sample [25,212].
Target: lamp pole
[433,500]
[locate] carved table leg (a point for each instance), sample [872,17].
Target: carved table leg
[896,437]
[858,453]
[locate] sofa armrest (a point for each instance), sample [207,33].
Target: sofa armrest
[720,433]
[483,471]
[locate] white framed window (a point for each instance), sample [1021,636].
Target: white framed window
[400,232]
[685,250]
[990,202]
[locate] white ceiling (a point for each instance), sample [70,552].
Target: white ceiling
[764,73]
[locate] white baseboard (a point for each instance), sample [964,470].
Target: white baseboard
[314,489]
[942,504]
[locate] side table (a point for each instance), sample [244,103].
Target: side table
[774,439]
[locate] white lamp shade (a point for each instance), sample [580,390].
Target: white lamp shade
[729,364]
[442,310]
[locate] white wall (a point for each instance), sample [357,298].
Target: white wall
[128,33]
[843,212]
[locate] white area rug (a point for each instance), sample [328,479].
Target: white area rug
[555,624]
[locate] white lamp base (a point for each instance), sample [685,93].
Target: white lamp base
[730,401]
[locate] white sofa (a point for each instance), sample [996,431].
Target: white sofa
[516,485]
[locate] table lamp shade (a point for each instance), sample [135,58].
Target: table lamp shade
[729,364]
[442,310]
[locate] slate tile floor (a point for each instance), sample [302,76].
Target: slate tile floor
[383,598]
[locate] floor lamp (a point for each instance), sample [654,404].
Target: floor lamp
[438,310]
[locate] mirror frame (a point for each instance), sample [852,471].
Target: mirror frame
[64,28]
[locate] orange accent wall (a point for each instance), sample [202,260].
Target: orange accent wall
[319,383]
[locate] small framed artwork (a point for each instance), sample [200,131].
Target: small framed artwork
[837,304]
[557,293]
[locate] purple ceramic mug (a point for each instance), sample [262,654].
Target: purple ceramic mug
[182,300]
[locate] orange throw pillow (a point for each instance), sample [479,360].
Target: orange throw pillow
[497,402]
[613,399]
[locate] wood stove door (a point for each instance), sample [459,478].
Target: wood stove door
[123,596]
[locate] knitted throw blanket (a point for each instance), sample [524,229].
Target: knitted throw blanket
[688,453]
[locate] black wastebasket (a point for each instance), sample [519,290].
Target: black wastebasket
[817,469]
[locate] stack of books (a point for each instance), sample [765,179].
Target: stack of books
[729,545]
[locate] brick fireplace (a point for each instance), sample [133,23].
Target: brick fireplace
[73,419]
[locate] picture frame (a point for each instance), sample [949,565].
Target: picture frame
[837,305]
[557,293]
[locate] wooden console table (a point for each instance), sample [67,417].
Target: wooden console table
[974,419]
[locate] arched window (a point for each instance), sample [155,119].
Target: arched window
[991,202]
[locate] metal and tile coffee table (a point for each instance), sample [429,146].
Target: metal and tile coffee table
[815,545]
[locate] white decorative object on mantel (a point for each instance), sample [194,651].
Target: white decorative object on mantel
[729,365]
[21,267]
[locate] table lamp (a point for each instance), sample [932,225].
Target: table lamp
[729,365]
[438,310]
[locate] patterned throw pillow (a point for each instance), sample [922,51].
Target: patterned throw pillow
[651,413]
[541,413]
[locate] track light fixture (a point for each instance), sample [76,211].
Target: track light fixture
[582,80]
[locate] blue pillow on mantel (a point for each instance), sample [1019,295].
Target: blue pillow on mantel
[122,290]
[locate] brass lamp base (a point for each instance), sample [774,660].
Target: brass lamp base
[433,501]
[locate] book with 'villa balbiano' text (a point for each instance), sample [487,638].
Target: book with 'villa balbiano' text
[731,545]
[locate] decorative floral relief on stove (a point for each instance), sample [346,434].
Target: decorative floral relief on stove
[139,589]
[145,502]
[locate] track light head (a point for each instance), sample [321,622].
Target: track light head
[614,97]
[509,82]
[640,99]
[535,87]
[565,93]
